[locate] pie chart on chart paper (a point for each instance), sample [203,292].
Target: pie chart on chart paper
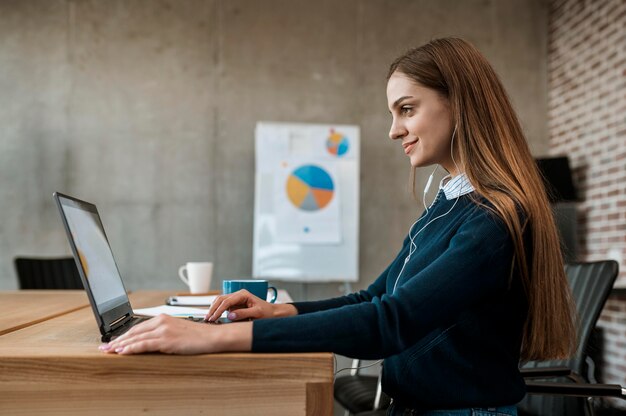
[310,188]
[337,144]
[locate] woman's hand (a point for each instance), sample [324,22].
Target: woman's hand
[244,305]
[180,336]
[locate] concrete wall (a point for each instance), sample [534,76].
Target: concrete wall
[148,109]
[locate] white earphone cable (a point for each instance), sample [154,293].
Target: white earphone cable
[413,246]
[355,368]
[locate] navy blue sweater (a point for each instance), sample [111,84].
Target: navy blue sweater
[451,331]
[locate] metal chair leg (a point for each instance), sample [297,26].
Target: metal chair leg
[379,389]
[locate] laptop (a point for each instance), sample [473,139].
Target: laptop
[97,267]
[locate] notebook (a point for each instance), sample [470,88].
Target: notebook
[97,268]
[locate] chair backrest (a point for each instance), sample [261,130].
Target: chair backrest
[50,273]
[591,284]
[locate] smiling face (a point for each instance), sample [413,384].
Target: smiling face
[422,122]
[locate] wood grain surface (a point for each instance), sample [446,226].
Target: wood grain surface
[55,368]
[22,308]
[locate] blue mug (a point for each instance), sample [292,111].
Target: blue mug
[258,288]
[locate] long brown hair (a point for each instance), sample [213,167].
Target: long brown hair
[493,153]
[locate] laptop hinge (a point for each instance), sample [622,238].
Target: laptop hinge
[112,324]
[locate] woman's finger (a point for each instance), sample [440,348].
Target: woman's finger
[215,304]
[248,313]
[164,331]
[218,302]
[117,346]
[139,346]
[236,299]
[219,310]
[143,327]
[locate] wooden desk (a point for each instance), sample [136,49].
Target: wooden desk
[55,368]
[22,308]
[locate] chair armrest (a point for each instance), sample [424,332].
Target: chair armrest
[576,389]
[545,372]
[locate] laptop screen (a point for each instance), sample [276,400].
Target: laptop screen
[94,252]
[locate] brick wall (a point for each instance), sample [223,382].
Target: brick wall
[587,122]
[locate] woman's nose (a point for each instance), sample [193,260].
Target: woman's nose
[396,131]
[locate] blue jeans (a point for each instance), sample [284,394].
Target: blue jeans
[475,411]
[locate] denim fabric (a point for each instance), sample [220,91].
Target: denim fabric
[395,410]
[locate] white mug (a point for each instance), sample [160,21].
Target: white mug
[198,276]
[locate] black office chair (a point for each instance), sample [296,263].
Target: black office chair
[47,273]
[591,284]
[358,393]
[581,391]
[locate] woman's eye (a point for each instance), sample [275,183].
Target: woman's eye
[405,109]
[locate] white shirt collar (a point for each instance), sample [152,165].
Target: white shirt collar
[456,187]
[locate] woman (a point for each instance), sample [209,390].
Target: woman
[478,285]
